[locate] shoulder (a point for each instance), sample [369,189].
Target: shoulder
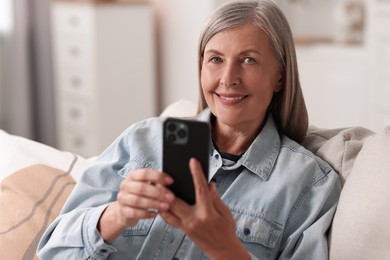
[144,127]
[295,155]
[138,134]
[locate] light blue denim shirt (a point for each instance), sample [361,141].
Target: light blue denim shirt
[283,202]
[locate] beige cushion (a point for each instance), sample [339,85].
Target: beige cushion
[180,108]
[338,147]
[30,199]
[361,227]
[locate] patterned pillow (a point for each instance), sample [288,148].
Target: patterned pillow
[30,199]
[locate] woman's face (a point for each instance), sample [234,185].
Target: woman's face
[239,76]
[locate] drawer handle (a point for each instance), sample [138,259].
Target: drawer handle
[78,142]
[74,51]
[74,21]
[74,113]
[75,82]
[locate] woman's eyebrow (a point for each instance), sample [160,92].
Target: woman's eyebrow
[249,51]
[213,51]
[244,52]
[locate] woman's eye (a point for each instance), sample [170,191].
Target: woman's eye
[249,60]
[216,60]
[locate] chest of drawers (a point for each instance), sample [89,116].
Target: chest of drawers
[104,63]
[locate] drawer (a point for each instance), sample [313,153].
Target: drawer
[77,52]
[73,18]
[73,115]
[76,80]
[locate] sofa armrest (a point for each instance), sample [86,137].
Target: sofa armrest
[361,226]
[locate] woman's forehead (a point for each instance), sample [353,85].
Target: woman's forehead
[246,36]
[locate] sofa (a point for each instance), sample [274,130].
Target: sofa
[35,181]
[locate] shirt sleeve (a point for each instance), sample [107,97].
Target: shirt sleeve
[309,223]
[74,234]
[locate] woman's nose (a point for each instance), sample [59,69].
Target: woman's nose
[230,76]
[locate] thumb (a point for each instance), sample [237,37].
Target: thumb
[213,189]
[216,198]
[200,182]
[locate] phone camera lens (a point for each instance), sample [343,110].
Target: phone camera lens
[171,138]
[172,127]
[181,133]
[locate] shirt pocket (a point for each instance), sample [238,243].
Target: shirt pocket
[133,237]
[141,229]
[258,233]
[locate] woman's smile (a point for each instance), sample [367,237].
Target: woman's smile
[230,99]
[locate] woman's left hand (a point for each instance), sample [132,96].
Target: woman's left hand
[209,223]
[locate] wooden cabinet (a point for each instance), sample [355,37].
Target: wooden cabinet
[104,63]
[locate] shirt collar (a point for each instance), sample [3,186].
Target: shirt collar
[262,153]
[205,115]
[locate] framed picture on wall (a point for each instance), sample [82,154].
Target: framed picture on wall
[332,21]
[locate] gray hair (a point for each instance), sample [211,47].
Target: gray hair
[287,106]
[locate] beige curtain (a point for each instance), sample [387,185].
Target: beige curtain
[26,97]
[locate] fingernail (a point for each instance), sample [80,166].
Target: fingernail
[169,196]
[168,180]
[164,206]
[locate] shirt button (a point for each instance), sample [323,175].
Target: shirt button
[216,156]
[247,231]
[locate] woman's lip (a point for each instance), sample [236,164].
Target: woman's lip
[229,99]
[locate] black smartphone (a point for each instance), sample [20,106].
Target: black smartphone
[184,139]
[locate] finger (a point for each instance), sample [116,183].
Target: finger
[133,201]
[158,191]
[200,182]
[219,205]
[180,208]
[128,215]
[171,219]
[213,189]
[152,176]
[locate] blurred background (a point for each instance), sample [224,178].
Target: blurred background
[75,73]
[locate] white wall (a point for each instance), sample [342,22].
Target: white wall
[17,105]
[179,24]
[334,81]
[1,81]
[6,25]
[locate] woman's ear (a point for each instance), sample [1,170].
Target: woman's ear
[279,84]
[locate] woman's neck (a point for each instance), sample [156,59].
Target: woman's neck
[234,140]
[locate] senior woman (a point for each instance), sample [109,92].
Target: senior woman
[269,198]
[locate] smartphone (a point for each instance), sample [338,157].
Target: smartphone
[184,139]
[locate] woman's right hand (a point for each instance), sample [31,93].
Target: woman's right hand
[141,195]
